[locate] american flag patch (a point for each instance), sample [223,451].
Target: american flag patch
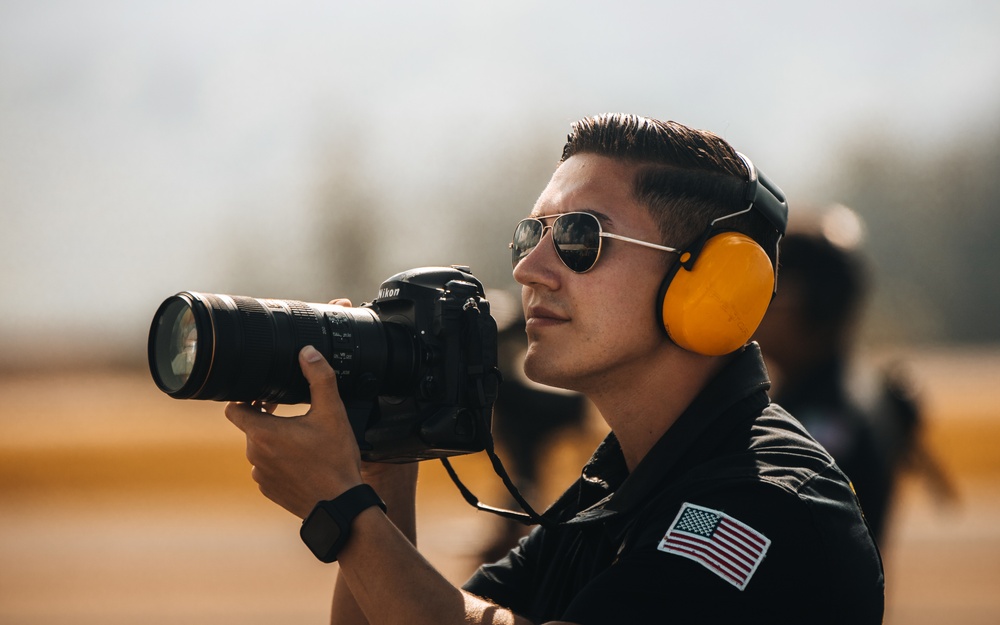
[729,548]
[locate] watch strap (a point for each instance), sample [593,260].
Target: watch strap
[327,528]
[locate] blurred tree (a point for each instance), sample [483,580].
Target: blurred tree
[499,192]
[344,218]
[933,221]
[326,246]
[462,216]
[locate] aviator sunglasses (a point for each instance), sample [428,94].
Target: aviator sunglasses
[577,238]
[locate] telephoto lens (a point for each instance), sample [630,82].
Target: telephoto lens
[416,367]
[236,348]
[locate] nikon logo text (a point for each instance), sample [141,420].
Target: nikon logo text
[386,293]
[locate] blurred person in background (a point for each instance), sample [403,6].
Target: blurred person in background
[645,264]
[867,417]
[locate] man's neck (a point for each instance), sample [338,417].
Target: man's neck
[644,404]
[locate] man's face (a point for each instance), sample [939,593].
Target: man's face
[599,327]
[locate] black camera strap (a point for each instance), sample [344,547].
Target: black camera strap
[481,394]
[528,517]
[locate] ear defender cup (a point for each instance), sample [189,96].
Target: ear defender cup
[713,306]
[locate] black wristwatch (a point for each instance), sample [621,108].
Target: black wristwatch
[327,528]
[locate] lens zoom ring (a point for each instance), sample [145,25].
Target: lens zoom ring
[258,345]
[308,329]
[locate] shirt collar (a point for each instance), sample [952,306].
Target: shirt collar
[738,389]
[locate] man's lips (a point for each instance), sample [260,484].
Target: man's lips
[540,316]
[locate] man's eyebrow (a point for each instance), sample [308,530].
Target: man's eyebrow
[603,218]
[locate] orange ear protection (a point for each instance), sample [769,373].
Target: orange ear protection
[716,295]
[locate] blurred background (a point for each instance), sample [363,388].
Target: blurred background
[310,149]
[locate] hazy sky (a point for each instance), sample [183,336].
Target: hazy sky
[141,141]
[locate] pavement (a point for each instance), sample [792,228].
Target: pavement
[122,506]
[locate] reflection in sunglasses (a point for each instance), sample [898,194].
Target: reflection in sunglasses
[575,236]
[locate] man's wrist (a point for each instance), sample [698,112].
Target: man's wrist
[327,528]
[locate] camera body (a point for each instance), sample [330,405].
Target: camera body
[416,367]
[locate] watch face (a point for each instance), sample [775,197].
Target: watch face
[320,533]
[328,526]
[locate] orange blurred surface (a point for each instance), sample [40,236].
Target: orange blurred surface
[121,505]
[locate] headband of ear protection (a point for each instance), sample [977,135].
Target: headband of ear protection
[715,296]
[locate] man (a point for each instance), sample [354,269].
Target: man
[705,503]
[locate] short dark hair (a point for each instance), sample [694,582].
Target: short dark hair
[686,177]
[834,280]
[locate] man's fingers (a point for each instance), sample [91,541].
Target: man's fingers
[265,406]
[322,388]
[245,415]
[321,377]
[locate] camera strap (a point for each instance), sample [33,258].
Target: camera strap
[528,517]
[479,395]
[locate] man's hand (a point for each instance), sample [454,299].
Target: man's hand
[298,461]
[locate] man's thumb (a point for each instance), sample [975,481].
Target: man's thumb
[320,375]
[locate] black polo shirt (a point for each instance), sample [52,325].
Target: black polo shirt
[736,515]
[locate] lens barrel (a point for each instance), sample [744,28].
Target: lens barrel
[237,348]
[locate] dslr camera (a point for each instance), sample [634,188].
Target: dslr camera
[416,367]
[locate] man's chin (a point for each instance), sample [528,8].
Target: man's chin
[536,369]
[546,373]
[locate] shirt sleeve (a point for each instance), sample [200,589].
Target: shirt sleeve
[509,581]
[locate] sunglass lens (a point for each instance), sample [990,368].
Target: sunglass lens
[578,240]
[527,234]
